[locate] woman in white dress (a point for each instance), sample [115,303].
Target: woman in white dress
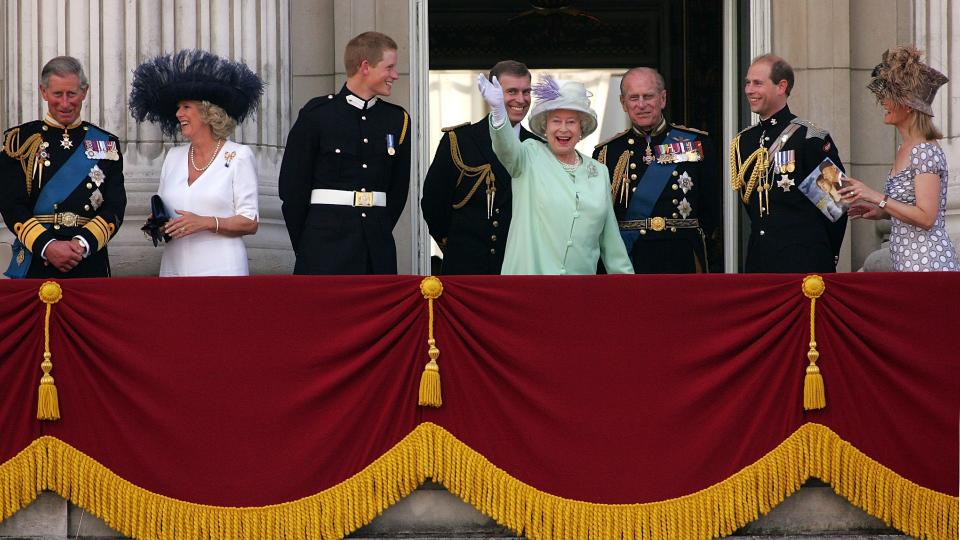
[209,186]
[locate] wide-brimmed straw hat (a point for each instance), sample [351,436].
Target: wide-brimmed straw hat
[904,79]
[162,82]
[554,95]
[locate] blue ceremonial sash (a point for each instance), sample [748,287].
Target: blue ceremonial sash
[74,171]
[648,191]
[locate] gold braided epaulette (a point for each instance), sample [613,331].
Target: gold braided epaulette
[26,152]
[608,140]
[685,128]
[451,128]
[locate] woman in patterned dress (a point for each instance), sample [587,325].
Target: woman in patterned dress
[915,194]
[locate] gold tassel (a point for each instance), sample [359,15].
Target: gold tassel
[814,395]
[430,395]
[48,404]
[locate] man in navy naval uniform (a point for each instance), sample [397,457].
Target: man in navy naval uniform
[346,168]
[466,195]
[61,184]
[769,160]
[664,182]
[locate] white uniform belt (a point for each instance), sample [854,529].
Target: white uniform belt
[348,198]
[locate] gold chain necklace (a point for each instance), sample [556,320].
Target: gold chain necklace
[213,157]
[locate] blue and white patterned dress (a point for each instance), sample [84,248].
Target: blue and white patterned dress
[913,249]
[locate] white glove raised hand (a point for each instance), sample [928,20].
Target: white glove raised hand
[492,93]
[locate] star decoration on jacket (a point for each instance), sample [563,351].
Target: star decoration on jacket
[96,199]
[685,182]
[96,174]
[785,182]
[684,208]
[65,142]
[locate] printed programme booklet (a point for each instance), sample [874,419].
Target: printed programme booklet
[821,185]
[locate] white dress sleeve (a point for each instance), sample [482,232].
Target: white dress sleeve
[245,184]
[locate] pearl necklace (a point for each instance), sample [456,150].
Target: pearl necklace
[569,167]
[193,163]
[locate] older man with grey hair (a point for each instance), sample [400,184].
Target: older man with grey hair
[664,180]
[61,183]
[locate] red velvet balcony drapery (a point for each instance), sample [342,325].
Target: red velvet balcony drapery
[572,406]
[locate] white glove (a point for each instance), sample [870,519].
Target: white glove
[492,93]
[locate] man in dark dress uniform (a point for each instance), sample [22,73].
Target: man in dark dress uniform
[61,184]
[769,160]
[466,194]
[346,168]
[664,182]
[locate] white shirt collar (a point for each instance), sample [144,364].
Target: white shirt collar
[359,103]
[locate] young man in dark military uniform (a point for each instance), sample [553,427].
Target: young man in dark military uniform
[466,194]
[61,184]
[768,161]
[664,182]
[346,168]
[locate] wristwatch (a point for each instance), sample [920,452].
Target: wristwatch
[883,203]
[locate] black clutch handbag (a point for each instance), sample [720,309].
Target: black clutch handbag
[153,228]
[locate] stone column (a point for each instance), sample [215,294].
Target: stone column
[110,38]
[933,22]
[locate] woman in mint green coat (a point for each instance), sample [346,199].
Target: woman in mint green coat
[563,220]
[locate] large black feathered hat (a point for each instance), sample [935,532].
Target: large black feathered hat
[161,82]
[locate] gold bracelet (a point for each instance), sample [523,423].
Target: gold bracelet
[216,220]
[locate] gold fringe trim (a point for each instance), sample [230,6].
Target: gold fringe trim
[430,394]
[51,464]
[814,394]
[431,451]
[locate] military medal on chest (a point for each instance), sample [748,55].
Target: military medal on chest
[679,152]
[65,142]
[101,150]
[648,153]
[785,163]
[391,144]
